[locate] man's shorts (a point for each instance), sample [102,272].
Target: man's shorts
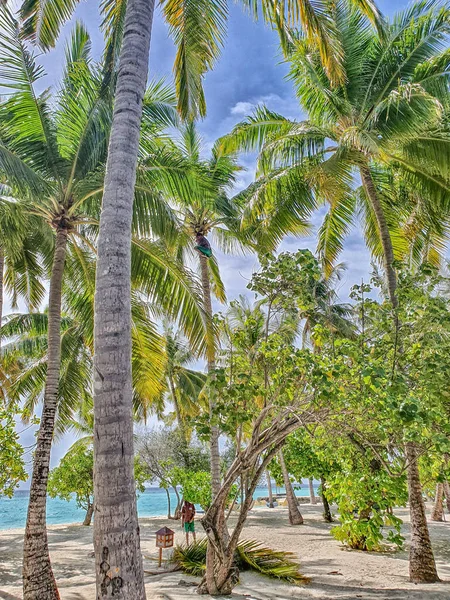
[189,527]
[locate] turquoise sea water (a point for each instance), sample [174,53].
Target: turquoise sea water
[152,503]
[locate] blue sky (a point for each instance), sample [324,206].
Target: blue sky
[249,71]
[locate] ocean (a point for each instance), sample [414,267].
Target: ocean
[151,503]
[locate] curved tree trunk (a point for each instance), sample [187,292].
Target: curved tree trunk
[438,508]
[422,568]
[38,579]
[383,229]
[118,559]
[211,359]
[447,494]
[295,516]
[327,516]
[88,518]
[312,494]
[269,487]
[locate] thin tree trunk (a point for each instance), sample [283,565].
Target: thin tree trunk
[269,487]
[88,518]
[327,516]
[438,508]
[169,511]
[383,230]
[312,494]
[422,567]
[447,494]
[211,358]
[178,508]
[118,559]
[295,516]
[38,579]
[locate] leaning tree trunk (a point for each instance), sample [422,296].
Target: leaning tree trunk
[269,487]
[89,513]
[447,494]
[312,495]
[118,559]
[327,516]
[383,230]
[438,508]
[214,443]
[295,516]
[38,579]
[422,568]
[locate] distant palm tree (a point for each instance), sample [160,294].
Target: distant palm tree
[386,116]
[184,384]
[205,212]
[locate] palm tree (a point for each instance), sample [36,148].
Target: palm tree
[386,116]
[184,384]
[198,31]
[205,212]
[389,117]
[54,164]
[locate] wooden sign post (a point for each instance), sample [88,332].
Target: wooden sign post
[164,539]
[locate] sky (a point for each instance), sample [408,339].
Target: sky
[250,71]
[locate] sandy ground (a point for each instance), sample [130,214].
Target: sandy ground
[334,571]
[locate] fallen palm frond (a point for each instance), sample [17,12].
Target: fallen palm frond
[250,555]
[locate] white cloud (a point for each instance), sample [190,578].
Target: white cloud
[242,108]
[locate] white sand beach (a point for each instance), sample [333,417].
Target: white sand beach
[334,572]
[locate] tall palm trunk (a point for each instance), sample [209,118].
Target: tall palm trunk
[119,569]
[38,579]
[295,516]
[211,360]
[422,568]
[312,494]
[269,487]
[438,507]
[383,229]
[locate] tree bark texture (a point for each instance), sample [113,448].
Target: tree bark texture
[383,230]
[312,494]
[38,579]
[327,516]
[447,494]
[437,513]
[269,487]
[118,560]
[295,516]
[422,567]
[211,364]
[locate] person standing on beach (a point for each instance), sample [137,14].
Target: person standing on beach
[187,519]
